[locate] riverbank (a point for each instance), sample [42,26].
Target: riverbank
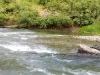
[94,38]
[48,13]
[65,31]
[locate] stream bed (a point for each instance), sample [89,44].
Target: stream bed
[30,52]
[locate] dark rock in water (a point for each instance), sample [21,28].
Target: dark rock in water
[83,52]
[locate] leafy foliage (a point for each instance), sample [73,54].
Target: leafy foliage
[27,18]
[85,12]
[43,2]
[53,21]
[3,19]
[62,13]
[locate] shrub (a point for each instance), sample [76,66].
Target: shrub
[84,12]
[78,12]
[57,5]
[52,21]
[27,18]
[3,19]
[43,2]
[7,1]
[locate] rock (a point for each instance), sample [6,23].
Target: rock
[86,49]
[88,38]
[96,47]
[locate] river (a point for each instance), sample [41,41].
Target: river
[30,52]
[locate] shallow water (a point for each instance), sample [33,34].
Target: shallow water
[27,52]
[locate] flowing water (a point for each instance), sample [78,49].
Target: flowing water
[27,52]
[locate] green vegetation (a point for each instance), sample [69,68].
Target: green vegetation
[93,29]
[50,13]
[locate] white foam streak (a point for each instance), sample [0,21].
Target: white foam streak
[42,70]
[19,47]
[81,72]
[14,33]
[44,51]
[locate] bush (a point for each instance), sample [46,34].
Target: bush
[27,18]
[84,12]
[3,19]
[78,12]
[52,21]
[57,5]
[7,1]
[43,2]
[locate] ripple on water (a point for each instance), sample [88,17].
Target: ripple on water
[19,47]
[10,64]
[24,52]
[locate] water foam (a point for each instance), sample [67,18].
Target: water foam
[42,71]
[80,72]
[43,49]
[19,47]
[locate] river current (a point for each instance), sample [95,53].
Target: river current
[29,52]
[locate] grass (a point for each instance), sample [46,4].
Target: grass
[92,29]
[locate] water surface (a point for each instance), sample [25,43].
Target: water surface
[28,52]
